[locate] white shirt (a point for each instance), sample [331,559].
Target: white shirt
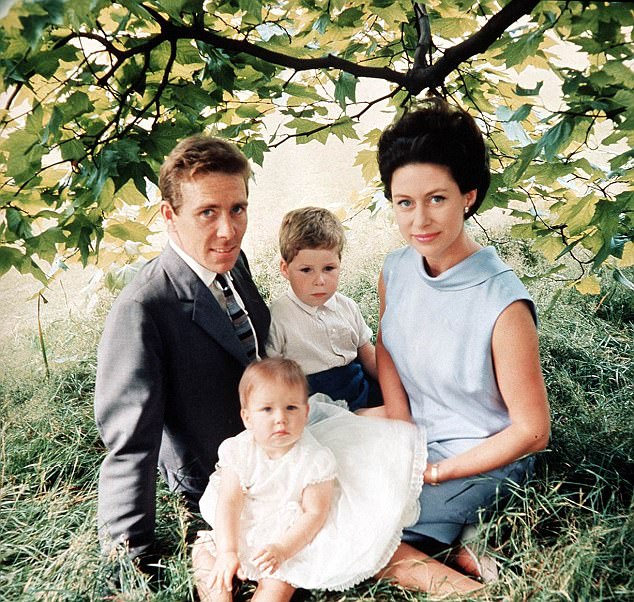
[317,338]
[209,279]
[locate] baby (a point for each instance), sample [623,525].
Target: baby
[290,506]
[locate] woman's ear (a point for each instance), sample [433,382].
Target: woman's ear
[470,197]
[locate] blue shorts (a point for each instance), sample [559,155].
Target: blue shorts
[349,383]
[447,508]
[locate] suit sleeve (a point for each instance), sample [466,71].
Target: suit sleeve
[129,410]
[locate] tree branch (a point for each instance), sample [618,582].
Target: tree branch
[420,79]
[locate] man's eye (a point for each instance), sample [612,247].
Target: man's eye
[292,408]
[238,209]
[329,268]
[305,270]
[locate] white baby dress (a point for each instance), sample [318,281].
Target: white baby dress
[378,465]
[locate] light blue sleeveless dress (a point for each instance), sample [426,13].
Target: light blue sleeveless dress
[438,332]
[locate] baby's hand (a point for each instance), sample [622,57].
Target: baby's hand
[225,567]
[269,558]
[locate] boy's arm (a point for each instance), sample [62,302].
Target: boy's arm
[366,354]
[227,529]
[315,507]
[276,341]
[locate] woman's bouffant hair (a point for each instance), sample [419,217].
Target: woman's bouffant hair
[310,228]
[271,369]
[195,156]
[441,134]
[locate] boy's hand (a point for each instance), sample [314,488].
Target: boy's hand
[269,558]
[225,567]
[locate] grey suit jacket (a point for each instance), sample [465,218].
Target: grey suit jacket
[166,395]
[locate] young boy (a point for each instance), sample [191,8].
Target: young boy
[313,324]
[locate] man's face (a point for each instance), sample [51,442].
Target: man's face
[211,220]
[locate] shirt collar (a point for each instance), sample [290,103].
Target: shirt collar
[330,305]
[202,272]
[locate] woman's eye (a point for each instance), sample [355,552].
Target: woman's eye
[437,199]
[404,203]
[304,270]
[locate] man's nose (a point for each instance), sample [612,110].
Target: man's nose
[225,227]
[319,278]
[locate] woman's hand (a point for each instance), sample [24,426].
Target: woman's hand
[431,476]
[269,558]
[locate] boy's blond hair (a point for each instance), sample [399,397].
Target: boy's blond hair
[310,228]
[276,369]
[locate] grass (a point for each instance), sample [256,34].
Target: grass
[568,535]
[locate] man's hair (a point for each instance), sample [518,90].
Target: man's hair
[440,134]
[271,369]
[310,228]
[195,156]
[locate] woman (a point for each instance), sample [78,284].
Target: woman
[457,349]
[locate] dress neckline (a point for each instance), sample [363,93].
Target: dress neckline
[471,271]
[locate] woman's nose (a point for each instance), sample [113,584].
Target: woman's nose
[421,217]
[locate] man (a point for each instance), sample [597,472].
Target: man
[171,357]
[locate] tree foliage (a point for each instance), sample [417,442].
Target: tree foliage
[96,93]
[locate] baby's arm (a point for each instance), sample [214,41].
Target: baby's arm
[315,506]
[226,530]
[366,354]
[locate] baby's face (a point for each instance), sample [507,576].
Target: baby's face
[313,275]
[276,414]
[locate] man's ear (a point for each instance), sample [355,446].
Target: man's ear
[167,211]
[284,268]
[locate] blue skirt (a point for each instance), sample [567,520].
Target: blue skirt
[346,382]
[450,506]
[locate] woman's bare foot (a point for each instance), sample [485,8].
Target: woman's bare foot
[413,569]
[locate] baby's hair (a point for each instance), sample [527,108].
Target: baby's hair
[310,228]
[276,369]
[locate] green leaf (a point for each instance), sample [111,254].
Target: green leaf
[9,257]
[255,150]
[528,91]
[345,87]
[521,48]
[128,230]
[555,138]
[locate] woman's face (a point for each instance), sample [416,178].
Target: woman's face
[429,210]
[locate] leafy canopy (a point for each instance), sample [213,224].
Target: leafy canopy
[95,94]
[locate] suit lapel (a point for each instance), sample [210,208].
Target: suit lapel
[205,310]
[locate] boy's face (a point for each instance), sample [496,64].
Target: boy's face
[313,274]
[276,415]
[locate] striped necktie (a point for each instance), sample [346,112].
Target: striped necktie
[239,318]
